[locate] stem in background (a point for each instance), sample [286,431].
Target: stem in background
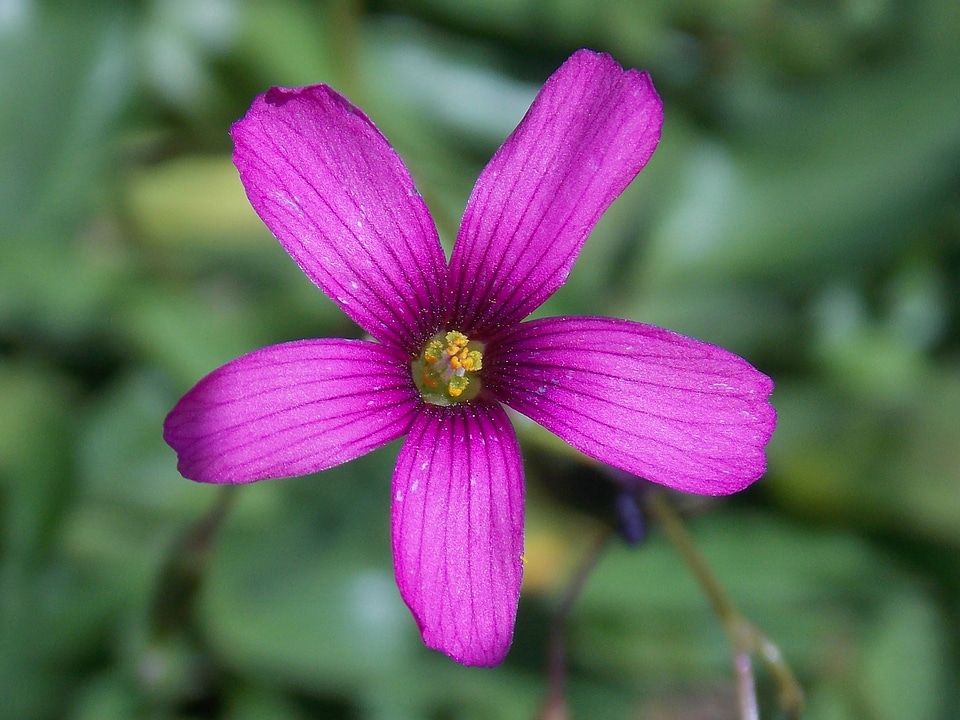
[173,668]
[745,638]
[555,704]
[185,568]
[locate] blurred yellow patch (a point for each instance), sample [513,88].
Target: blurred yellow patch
[193,200]
[546,560]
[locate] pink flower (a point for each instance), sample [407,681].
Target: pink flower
[449,348]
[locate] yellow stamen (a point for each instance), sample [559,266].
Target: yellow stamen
[449,361]
[457,385]
[433,351]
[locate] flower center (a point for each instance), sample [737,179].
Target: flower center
[445,372]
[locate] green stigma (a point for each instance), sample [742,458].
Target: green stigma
[445,372]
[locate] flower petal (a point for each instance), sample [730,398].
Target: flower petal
[291,409]
[340,200]
[588,133]
[458,529]
[668,408]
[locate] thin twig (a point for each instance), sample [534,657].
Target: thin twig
[746,639]
[746,687]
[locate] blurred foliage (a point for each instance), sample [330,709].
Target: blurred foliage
[802,210]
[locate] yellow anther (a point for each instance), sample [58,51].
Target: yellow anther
[457,385]
[455,341]
[471,361]
[433,351]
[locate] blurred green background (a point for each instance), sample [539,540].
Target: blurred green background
[802,210]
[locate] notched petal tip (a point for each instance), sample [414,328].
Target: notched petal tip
[279,96]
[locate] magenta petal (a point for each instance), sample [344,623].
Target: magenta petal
[340,200]
[291,409]
[670,409]
[458,529]
[588,133]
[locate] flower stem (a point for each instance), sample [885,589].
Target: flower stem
[185,567]
[555,704]
[746,639]
[173,667]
